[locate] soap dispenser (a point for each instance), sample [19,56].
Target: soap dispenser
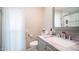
[50,31]
[44,31]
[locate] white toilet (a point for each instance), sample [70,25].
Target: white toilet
[33,46]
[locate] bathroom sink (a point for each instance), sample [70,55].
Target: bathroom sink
[61,41]
[47,36]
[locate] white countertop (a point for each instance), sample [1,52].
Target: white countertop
[60,43]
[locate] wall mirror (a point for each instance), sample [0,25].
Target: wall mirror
[66,17]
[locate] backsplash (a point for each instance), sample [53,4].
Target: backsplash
[73,33]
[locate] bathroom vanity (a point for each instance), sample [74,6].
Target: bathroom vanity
[54,43]
[44,45]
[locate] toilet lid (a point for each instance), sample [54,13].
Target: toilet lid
[33,43]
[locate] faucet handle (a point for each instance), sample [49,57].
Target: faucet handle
[70,38]
[58,35]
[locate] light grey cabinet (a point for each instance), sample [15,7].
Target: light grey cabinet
[48,48]
[41,45]
[44,46]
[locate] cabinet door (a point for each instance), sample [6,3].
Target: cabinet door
[51,48]
[48,48]
[41,45]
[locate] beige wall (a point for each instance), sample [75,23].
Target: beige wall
[36,18]
[34,21]
[48,17]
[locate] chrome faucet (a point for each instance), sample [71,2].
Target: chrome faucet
[70,38]
[64,35]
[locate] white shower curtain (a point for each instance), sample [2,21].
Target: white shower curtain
[13,37]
